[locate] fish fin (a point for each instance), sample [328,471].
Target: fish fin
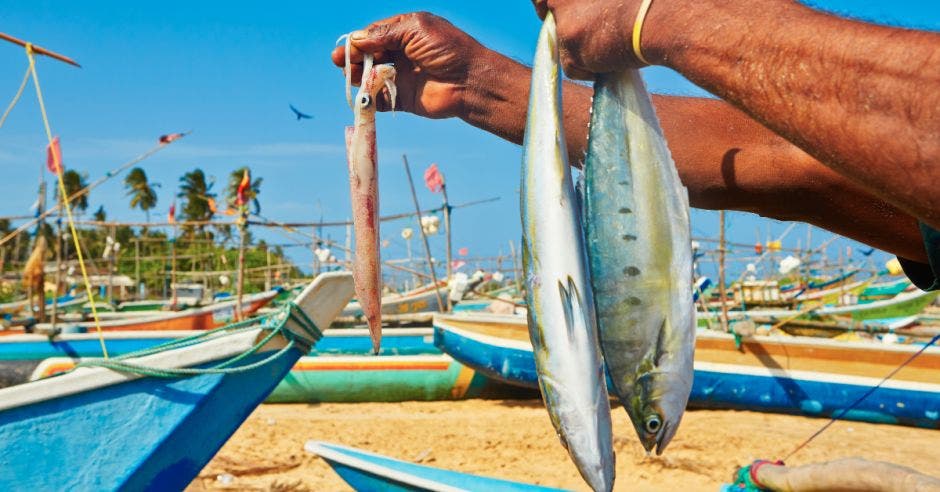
[575,315]
[660,343]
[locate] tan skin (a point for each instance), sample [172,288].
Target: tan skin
[725,158]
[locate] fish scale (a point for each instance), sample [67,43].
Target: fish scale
[639,247]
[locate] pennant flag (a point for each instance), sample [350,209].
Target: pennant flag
[456,264]
[54,156]
[171,215]
[433,178]
[241,197]
[463,251]
[212,207]
[170,138]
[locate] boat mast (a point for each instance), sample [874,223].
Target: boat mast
[427,246]
[722,295]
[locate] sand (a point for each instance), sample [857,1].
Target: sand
[515,440]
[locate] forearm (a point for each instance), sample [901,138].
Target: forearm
[862,99]
[727,160]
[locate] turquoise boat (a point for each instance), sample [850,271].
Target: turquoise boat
[151,420]
[885,290]
[366,472]
[902,305]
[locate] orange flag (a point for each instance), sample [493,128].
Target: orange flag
[171,215]
[212,207]
[54,156]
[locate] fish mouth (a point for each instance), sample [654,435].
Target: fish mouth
[663,438]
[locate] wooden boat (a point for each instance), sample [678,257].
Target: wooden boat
[202,318]
[902,305]
[832,294]
[421,300]
[340,368]
[885,290]
[798,375]
[152,420]
[365,471]
[64,303]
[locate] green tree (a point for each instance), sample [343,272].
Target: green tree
[75,182]
[141,191]
[251,194]
[196,191]
[100,215]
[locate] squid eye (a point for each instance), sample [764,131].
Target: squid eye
[365,101]
[653,424]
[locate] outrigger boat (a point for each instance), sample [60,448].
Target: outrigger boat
[417,305]
[151,420]
[796,375]
[365,471]
[201,318]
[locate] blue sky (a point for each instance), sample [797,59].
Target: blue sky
[228,70]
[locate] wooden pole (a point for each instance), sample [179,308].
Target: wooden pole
[515,268]
[173,269]
[427,246]
[450,273]
[58,268]
[267,271]
[722,294]
[114,247]
[243,229]
[137,266]
[40,50]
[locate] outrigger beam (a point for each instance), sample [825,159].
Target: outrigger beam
[39,50]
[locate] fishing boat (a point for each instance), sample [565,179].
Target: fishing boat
[365,471]
[201,318]
[795,375]
[151,420]
[64,303]
[340,368]
[885,290]
[902,305]
[417,305]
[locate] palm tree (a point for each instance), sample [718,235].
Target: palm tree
[141,191]
[196,192]
[100,215]
[75,182]
[251,195]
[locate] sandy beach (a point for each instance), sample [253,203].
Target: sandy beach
[515,440]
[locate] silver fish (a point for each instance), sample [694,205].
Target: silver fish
[562,324]
[639,248]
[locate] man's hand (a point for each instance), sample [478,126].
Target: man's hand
[594,35]
[435,61]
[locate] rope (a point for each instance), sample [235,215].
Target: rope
[65,198]
[16,98]
[862,398]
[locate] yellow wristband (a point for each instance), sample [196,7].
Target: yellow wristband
[638,28]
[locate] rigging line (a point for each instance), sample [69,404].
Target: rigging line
[65,199]
[16,98]
[862,398]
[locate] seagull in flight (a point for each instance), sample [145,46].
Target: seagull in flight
[300,116]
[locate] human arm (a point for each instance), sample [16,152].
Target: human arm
[863,99]
[725,159]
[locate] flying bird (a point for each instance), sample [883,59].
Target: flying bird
[300,116]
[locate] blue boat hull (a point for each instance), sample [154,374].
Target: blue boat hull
[160,432]
[366,472]
[727,386]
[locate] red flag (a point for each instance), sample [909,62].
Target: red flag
[456,264]
[54,156]
[463,251]
[170,138]
[242,188]
[171,215]
[212,207]
[433,178]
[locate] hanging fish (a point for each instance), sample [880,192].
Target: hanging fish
[639,245]
[562,323]
[364,189]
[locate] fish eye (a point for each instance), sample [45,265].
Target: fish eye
[653,424]
[365,100]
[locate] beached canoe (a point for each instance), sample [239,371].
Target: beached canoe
[796,375]
[66,303]
[885,290]
[152,421]
[201,318]
[902,305]
[421,300]
[365,471]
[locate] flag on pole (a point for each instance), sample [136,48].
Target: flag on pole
[54,156]
[241,196]
[171,215]
[433,178]
[463,251]
[171,137]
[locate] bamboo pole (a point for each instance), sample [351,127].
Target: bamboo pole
[722,294]
[450,273]
[240,288]
[427,246]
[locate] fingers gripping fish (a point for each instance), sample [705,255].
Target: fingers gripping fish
[562,323]
[364,187]
[639,245]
